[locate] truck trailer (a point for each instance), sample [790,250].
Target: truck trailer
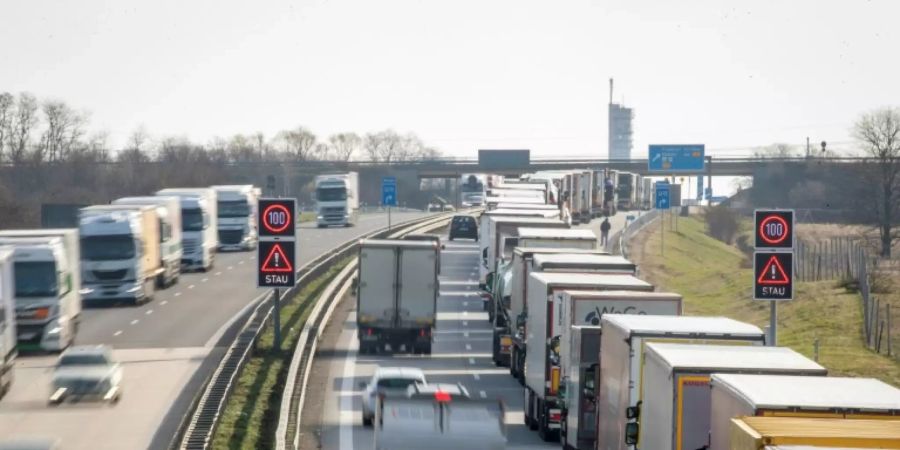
[168,210]
[675,408]
[769,433]
[492,229]
[737,395]
[397,297]
[199,226]
[337,199]
[622,345]
[237,208]
[8,350]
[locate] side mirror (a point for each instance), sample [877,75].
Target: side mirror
[632,429]
[633,412]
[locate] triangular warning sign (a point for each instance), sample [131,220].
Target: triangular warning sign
[773,273]
[276,261]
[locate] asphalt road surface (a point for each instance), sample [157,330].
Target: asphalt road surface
[161,344]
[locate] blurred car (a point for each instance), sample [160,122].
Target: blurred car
[387,381]
[31,444]
[87,372]
[452,391]
[463,227]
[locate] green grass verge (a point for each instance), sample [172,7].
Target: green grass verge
[251,415]
[713,278]
[307,216]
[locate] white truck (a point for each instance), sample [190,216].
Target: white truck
[580,313]
[676,411]
[622,373]
[120,259]
[237,208]
[46,269]
[472,189]
[542,330]
[199,226]
[737,395]
[397,297]
[168,210]
[580,197]
[337,199]
[7,320]
[493,229]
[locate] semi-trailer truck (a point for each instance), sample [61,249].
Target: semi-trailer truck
[491,231]
[47,274]
[472,189]
[676,407]
[237,208]
[580,313]
[806,433]
[622,372]
[337,199]
[168,210]
[120,253]
[397,297]
[199,226]
[737,395]
[7,320]
[542,330]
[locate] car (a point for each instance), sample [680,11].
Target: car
[463,227]
[85,373]
[387,381]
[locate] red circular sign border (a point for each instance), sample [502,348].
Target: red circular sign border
[762,224]
[272,229]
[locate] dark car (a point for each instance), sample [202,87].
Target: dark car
[463,227]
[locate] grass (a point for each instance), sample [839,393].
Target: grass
[251,415]
[307,216]
[713,278]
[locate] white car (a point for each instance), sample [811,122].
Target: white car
[387,381]
[87,372]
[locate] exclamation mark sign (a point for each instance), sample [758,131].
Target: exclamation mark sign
[772,266]
[278,265]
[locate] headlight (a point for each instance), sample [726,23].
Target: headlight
[85,291]
[135,288]
[54,330]
[320,217]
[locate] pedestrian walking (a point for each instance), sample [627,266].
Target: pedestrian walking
[604,231]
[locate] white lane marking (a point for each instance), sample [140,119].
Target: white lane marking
[177,294]
[241,261]
[345,437]
[469,347]
[482,394]
[163,302]
[218,273]
[230,267]
[191,286]
[476,376]
[465,313]
[135,321]
[149,311]
[472,361]
[117,333]
[205,280]
[465,334]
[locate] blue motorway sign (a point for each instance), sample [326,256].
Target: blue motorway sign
[662,196]
[389,191]
[676,158]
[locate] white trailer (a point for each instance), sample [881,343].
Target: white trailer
[199,226]
[492,201]
[398,291]
[47,273]
[585,263]
[337,199]
[523,212]
[8,350]
[237,209]
[492,229]
[676,408]
[542,330]
[548,237]
[168,210]
[737,395]
[621,374]
[580,313]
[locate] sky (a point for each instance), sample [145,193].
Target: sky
[463,74]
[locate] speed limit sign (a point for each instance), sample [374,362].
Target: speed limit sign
[276,217]
[774,229]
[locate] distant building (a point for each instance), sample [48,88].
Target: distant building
[620,131]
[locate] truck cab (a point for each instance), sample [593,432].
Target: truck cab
[337,199]
[237,209]
[199,226]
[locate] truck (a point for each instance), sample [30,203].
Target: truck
[337,199]
[579,351]
[472,189]
[647,193]
[622,345]
[627,190]
[610,193]
[492,229]
[397,294]
[802,433]
[47,274]
[8,350]
[737,395]
[543,410]
[237,209]
[676,411]
[491,201]
[168,210]
[581,201]
[199,226]
[120,253]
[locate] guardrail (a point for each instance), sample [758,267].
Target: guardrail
[618,243]
[199,425]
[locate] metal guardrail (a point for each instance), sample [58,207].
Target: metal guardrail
[618,243]
[199,426]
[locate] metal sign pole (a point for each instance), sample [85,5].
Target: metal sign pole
[773,324]
[662,234]
[276,318]
[389,217]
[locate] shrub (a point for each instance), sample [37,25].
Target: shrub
[722,223]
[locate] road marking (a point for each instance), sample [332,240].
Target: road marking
[241,261]
[191,286]
[482,394]
[469,347]
[117,333]
[345,437]
[135,321]
[230,267]
[472,361]
[218,273]
[177,294]
[465,313]
[477,377]
[149,311]
[164,302]
[205,280]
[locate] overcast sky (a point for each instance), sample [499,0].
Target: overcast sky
[463,74]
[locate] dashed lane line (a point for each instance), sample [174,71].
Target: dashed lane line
[149,311]
[218,273]
[205,280]
[117,333]
[191,286]
[164,302]
[177,294]
[472,361]
[135,321]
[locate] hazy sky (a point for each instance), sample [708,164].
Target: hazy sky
[463,74]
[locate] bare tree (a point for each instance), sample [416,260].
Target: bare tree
[345,145]
[777,151]
[384,146]
[321,151]
[879,133]
[64,129]
[299,143]
[24,121]
[7,109]
[138,139]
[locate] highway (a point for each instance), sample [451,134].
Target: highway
[162,345]
[461,353]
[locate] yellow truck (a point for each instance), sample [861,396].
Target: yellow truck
[761,433]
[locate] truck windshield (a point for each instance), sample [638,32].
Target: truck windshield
[83,359]
[35,279]
[107,248]
[191,220]
[238,208]
[331,194]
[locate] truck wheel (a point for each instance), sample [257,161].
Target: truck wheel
[544,430]
[512,362]
[531,410]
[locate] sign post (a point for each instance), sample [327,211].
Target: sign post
[661,199]
[773,262]
[276,253]
[389,195]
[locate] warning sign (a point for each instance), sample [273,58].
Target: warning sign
[275,261]
[773,275]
